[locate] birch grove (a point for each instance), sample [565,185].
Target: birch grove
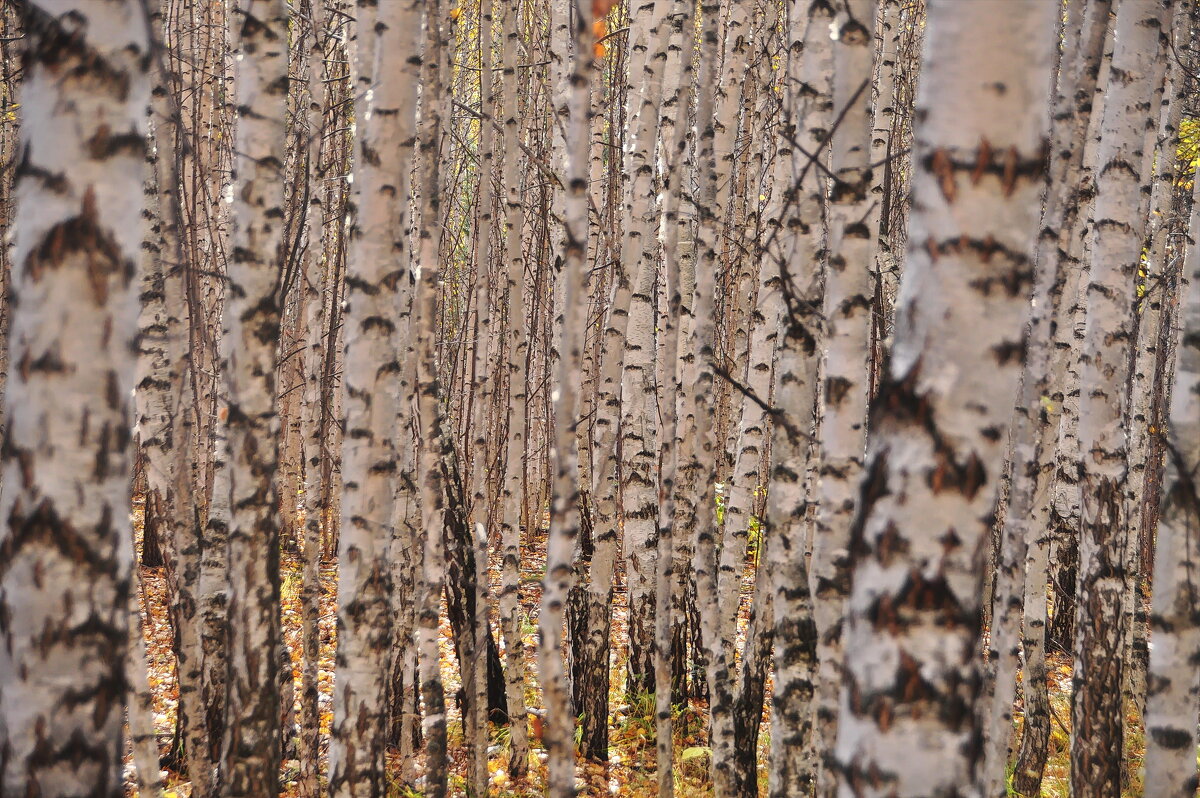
[599,397]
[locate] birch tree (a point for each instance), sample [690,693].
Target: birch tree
[434,438]
[847,313]
[1097,714]
[252,747]
[638,418]
[66,543]
[808,107]
[668,579]
[572,100]
[1173,693]
[375,343]
[912,639]
[515,510]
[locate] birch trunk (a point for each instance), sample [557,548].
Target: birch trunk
[743,492]
[1068,337]
[808,104]
[142,737]
[375,344]
[517,350]
[572,102]
[912,639]
[1173,695]
[675,131]
[435,442]
[312,278]
[639,431]
[590,618]
[251,755]
[847,311]
[163,402]
[1022,570]
[1148,311]
[883,122]
[698,449]
[213,592]
[1097,715]
[727,259]
[66,543]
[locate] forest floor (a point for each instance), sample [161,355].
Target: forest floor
[631,767]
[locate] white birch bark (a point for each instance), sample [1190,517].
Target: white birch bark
[847,312]
[1173,695]
[675,326]
[728,107]
[1038,415]
[742,491]
[639,422]
[142,736]
[699,446]
[883,119]
[164,399]
[212,589]
[1161,155]
[435,443]
[592,619]
[375,344]
[1068,336]
[517,350]
[808,104]
[66,542]
[312,278]
[912,638]
[1097,716]
[1024,544]
[252,748]
[571,98]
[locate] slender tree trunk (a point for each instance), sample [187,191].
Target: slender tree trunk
[435,441]
[1097,715]
[1148,312]
[1173,697]
[912,663]
[808,107]
[571,100]
[1029,496]
[698,452]
[847,311]
[66,543]
[142,736]
[251,754]
[514,495]
[377,278]
[639,430]
[668,574]
[312,279]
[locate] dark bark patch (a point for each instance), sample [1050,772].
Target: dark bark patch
[105,144]
[81,236]
[1172,739]
[948,474]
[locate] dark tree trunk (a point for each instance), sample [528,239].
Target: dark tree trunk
[1060,631]
[154,525]
[461,577]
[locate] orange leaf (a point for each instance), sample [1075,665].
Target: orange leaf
[600,50]
[601,7]
[599,28]
[455,13]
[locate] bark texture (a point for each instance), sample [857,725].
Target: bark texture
[66,461]
[252,746]
[912,641]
